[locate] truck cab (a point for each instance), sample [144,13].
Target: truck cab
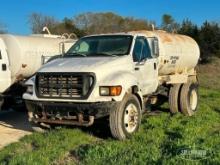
[101,75]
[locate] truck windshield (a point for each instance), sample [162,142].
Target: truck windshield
[103,45]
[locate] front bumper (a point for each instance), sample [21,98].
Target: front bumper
[68,113]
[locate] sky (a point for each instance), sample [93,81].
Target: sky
[14,13]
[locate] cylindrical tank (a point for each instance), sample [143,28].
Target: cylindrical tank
[25,52]
[177,53]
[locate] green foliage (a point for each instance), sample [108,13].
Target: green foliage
[49,148]
[66,26]
[209,40]
[169,24]
[162,138]
[87,23]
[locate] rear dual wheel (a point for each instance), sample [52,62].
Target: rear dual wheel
[174,98]
[184,98]
[189,99]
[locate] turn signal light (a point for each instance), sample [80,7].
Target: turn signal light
[110,90]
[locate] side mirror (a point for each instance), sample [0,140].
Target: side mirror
[62,48]
[155,47]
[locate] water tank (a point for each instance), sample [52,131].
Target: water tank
[25,52]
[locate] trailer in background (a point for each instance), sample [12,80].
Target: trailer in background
[21,57]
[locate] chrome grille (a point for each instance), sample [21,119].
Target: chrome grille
[64,85]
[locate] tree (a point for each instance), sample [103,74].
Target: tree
[67,26]
[3,28]
[189,29]
[207,36]
[169,24]
[96,23]
[37,21]
[209,40]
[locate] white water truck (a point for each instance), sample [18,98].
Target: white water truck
[21,57]
[115,76]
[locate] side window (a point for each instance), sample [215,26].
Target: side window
[141,49]
[154,46]
[146,50]
[0,55]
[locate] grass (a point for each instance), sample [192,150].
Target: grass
[209,74]
[162,137]
[160,140]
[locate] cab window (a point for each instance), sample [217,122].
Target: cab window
[141,50]
[82,47]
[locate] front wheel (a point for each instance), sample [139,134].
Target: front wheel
[126,119]
[37,127]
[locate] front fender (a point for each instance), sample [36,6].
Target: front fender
[125,79]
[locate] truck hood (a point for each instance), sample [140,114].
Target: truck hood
[86,64]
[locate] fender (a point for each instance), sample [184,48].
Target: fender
[126,79]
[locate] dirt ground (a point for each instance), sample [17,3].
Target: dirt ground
[13,126]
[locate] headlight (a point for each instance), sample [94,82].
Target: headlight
[30,89]
[110,90]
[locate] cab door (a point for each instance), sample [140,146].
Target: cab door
[5,74]
[145,65]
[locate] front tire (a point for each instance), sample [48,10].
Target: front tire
[126,119]
[37,127]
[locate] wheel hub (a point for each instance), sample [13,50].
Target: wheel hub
[193,100]
[131,118]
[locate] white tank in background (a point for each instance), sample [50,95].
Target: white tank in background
[22,56]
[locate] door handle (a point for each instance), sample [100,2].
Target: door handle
[136,68]
[155,66]
[4,67]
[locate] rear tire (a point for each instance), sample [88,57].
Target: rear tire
[1,103]
[189,98]
[126,119]
[174,98]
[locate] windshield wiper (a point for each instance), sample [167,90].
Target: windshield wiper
[106,54]
[73,54]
